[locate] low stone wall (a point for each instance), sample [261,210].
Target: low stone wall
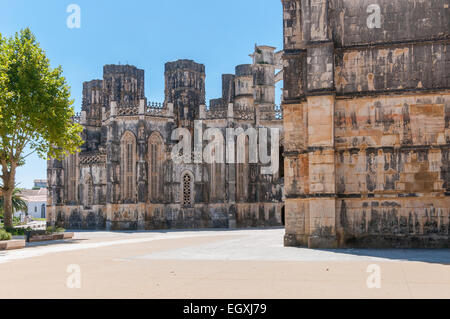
[50,237]
[12,244]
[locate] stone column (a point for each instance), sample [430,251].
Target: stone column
[308,102]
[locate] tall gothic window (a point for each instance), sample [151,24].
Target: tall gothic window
[242,172]
[128,160]
[72,178]
[187,189]
[88,191]
[155,160]
[217,180]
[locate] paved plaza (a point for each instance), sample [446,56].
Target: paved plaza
[215,264]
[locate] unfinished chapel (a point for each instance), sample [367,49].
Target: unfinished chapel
[125,177]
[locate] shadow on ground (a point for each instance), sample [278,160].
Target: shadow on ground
[166,231]
[54,242]
[435,256]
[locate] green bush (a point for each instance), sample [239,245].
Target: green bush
[4,235]
[16,220]
[17,231]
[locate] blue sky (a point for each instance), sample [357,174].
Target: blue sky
[219,34]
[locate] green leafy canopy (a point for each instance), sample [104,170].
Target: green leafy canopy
[35,106]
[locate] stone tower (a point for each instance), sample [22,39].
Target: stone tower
[185,89]
[244,87]
[91,114]
[123,85]
[264,79]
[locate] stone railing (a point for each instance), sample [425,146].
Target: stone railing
[152,109]
[131,110]
[213,114]
[156,109]
[269,116]
[155,105]
[245,115]
[96,157]
[275,115]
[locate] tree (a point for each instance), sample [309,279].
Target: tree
[18,203]
[35,110]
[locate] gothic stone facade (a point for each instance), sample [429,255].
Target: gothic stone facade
[124,177]
[367,123]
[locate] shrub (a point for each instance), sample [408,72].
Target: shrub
[4,235]
[17,231]
[16,220]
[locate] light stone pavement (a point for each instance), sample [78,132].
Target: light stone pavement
[216,264]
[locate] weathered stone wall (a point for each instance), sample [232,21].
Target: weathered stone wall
[366,119]
[259,215]
[395,68]
[401,20]
[77,217]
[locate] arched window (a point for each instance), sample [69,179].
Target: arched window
[281,158]
[128,164]
[43,211]
[187,189]
[88,191]
[72,173]
[242,172]
[155,167]
[216,178]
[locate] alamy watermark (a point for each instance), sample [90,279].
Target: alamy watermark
[74,19]
[236,147]
[374,19]
[74,279]
[374,279]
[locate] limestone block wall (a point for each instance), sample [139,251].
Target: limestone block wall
[401,20]
[366,121]
[173,216]
[259,214]
[392,153]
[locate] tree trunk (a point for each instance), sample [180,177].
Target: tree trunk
[7,208]
[8,190]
